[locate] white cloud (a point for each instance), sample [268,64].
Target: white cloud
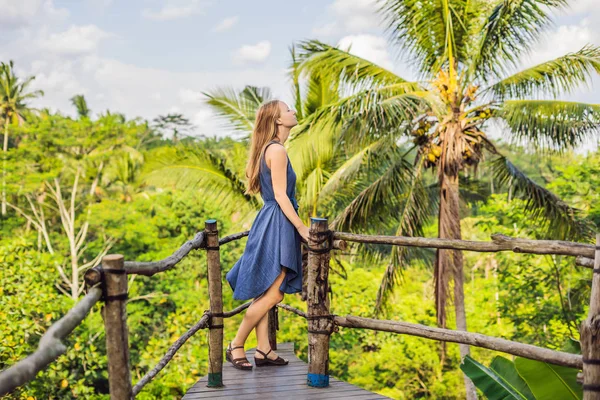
[137,91]
[100,3]
[203,118]
[189,96]
[568,38]
[175,9]
[350,16]
[369,47]
[253,53]
[17,13]
[226,24]
[75,41]
[328,29]
[356,15]
[565,39]
[59,80]
[581,6]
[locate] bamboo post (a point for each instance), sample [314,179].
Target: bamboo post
[319,328]
[590,336]
[215,332]
[115,325]
[273,327]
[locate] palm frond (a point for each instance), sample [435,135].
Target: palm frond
[350,168]
[80,104]
[433,33]
[238,108]
[320,92]
[196,168]
[294,73]
[341,66]
[557,217]
[378,190]
[14,93]
[386,110]
[416,211]
[472,190]
[549,124]
[561,75]
[512,28]
[311,144]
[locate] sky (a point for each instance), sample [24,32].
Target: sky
[151,57]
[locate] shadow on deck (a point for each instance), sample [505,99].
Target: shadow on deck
[287,382]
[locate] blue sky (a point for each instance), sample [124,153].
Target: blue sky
[150,57]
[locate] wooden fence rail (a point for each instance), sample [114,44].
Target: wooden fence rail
[112,274]
[498,243]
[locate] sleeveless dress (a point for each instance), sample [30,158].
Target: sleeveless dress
[273,243]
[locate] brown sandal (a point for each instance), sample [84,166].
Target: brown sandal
[237,362]
[263,362]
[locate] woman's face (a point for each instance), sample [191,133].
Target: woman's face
[287,116]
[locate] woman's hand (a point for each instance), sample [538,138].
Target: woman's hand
[303,231]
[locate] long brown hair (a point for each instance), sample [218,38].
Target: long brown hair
[265,130]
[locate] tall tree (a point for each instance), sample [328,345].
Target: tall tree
[176,124]
[464,52]
[14,94]
[81,105]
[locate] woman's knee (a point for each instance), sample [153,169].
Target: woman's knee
[279,297]
[275,297]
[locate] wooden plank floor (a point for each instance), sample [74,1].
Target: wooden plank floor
[285,382]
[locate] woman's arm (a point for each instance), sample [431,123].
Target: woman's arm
[278,158]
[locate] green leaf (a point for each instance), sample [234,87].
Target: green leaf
[560,219]
[551,124]
[507,370]
[495,387]
[572,346]
[512,28]
[432,33]
[549,382]
[238,108]
[563,74]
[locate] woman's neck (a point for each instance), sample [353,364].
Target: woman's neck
[282,134]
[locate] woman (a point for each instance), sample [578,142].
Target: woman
[271,264]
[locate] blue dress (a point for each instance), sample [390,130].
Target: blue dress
[273,243]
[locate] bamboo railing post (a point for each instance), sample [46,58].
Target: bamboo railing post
[115,325]
[319,329]
[590,336]
[273,327]
[215,292]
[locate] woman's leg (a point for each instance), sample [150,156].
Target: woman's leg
[262,338]
[256,312]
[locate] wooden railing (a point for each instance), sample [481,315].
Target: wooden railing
[108,283]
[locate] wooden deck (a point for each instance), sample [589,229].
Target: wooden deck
[285,382]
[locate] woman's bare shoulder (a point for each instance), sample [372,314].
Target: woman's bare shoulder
[277,153]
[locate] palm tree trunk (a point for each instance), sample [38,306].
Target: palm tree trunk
[449,263]
[5,149]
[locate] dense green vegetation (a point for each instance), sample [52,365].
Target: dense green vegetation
[507,295]
[77,188]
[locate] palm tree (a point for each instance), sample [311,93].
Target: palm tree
[81,105]
[13,108]
[464,52]
[320,163]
